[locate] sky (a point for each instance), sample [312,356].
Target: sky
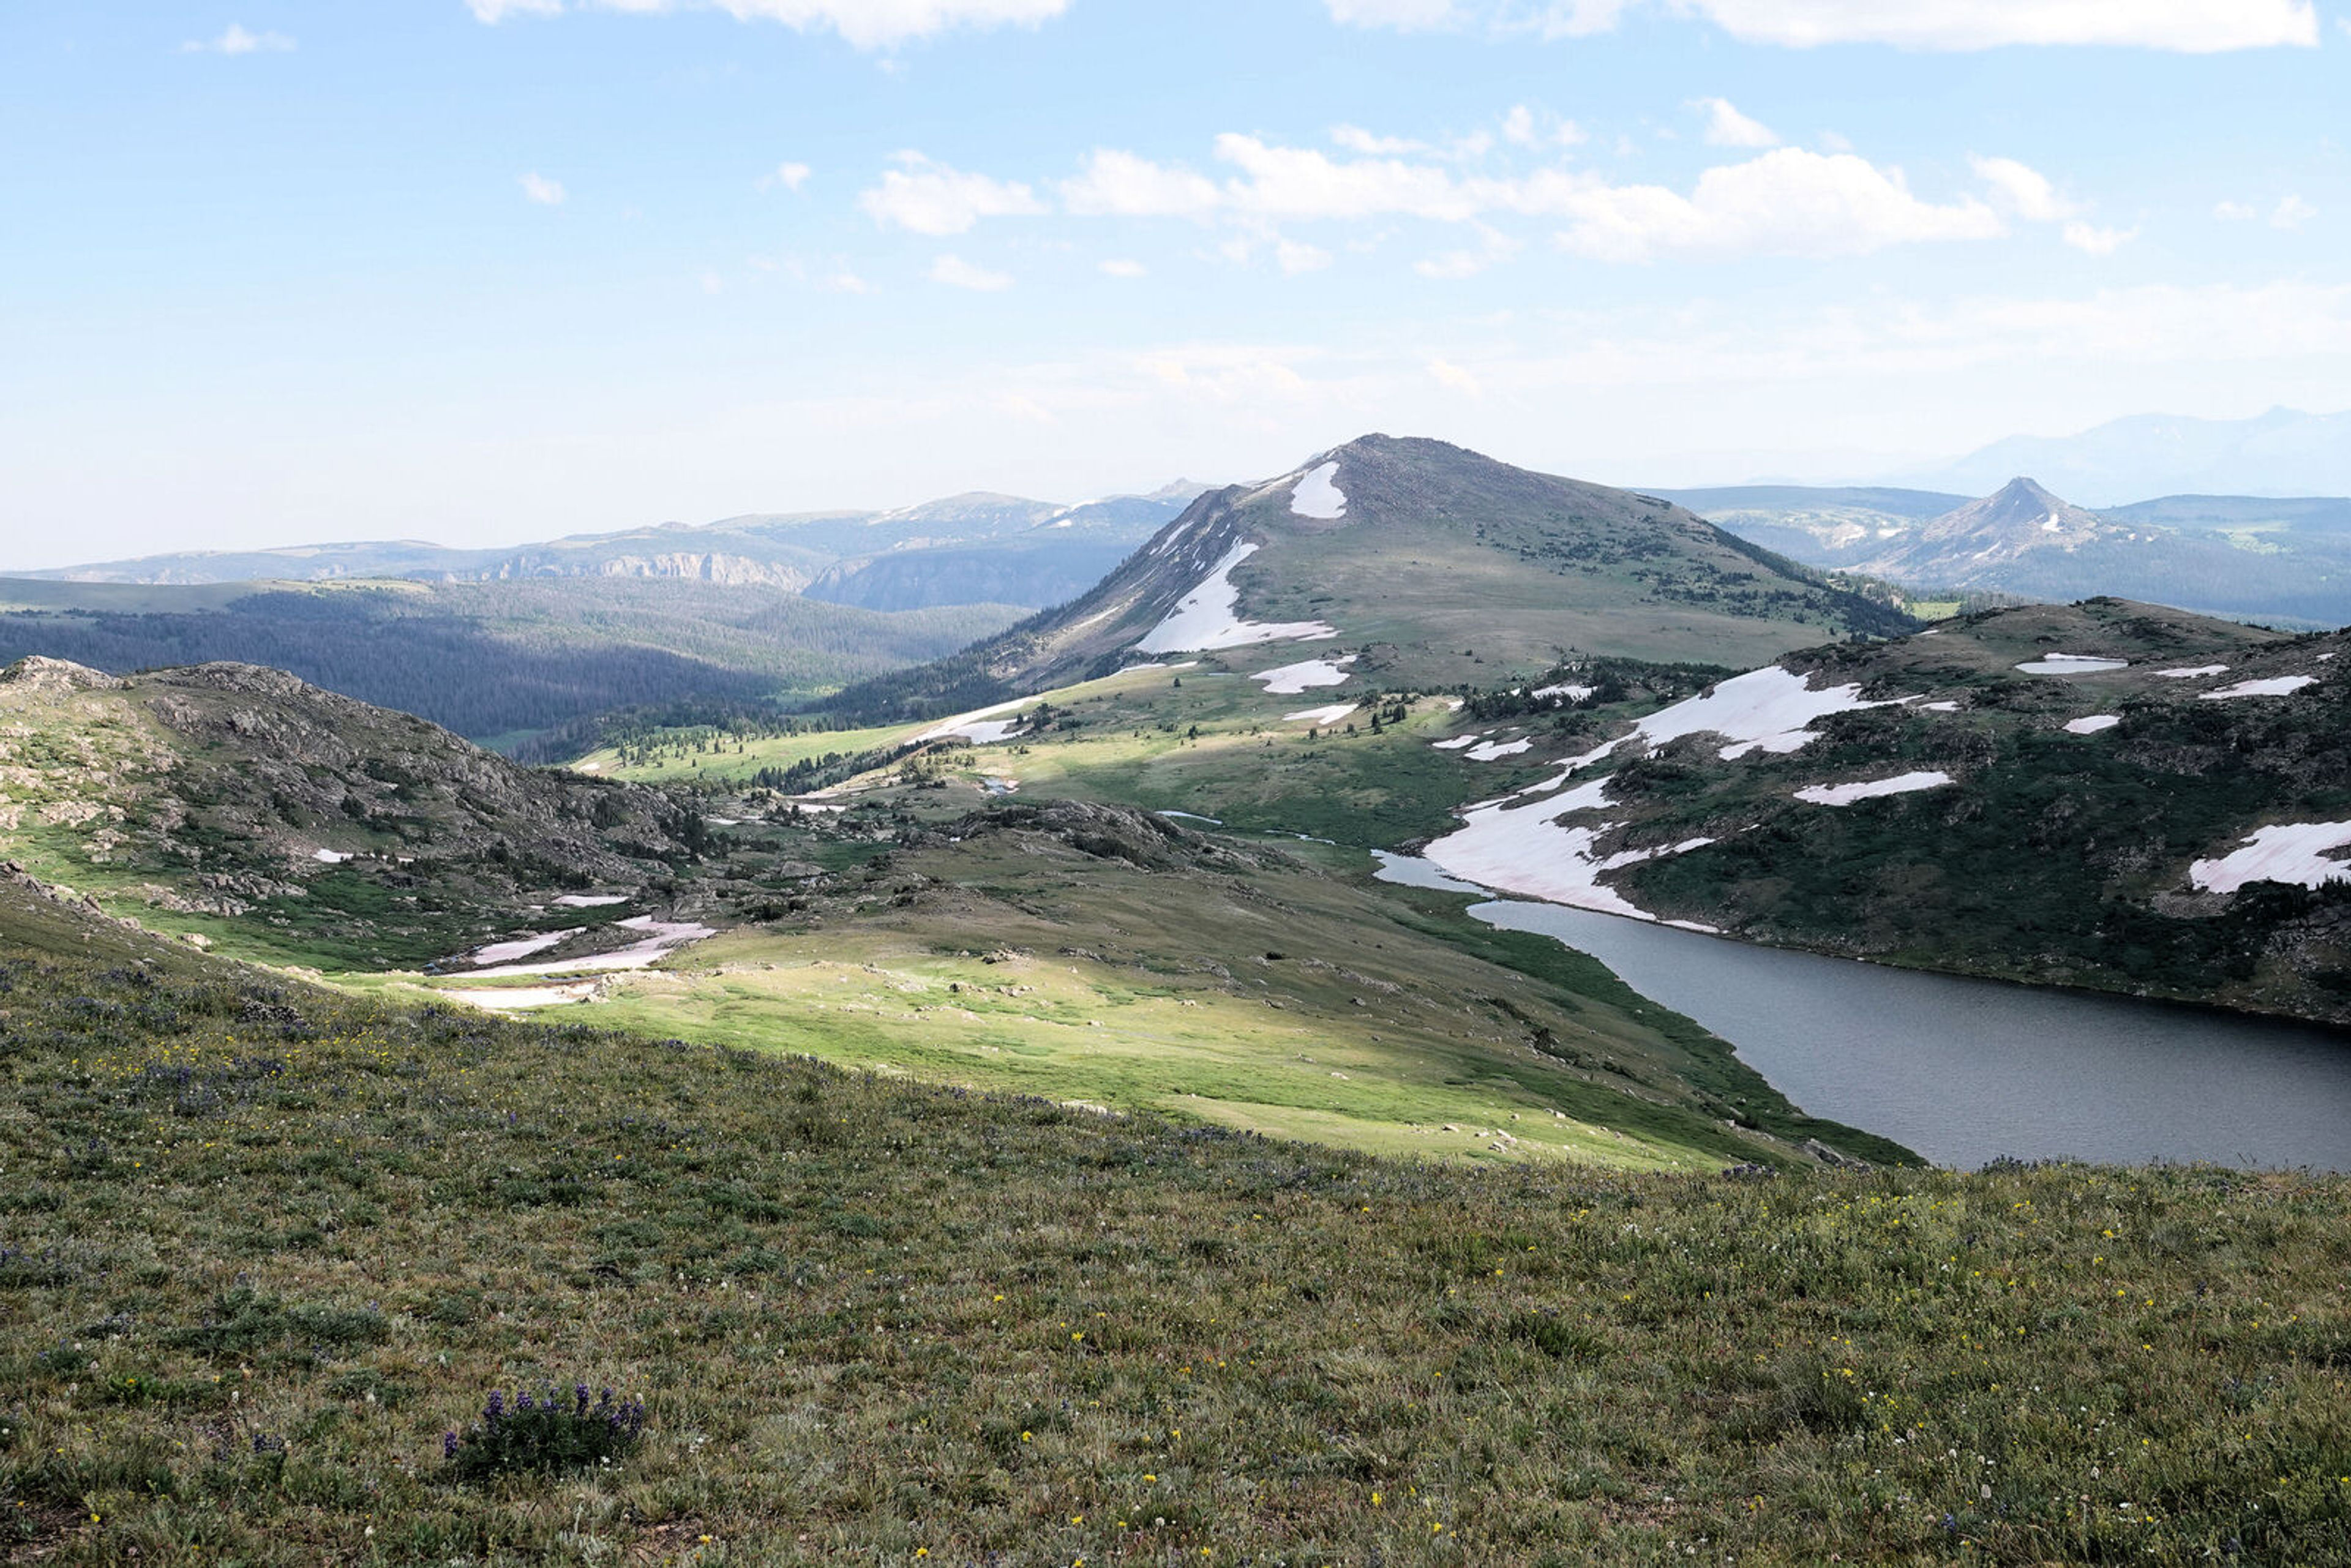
[484,271]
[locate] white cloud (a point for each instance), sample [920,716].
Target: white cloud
[929,198]
[1493,246]
[1452,376]
[2192,26]
[1356,139]
[2023,190]
[538,188]
[2292,213]
[2097,241]
[1407,15]
[1124,266]
[1294,256]
[1121,185]
[862,23]
[1789,202]
[956,272]
[2235,213]
[237,40]
[1524,127]
[791,176]
[1302,182]
[1725,127]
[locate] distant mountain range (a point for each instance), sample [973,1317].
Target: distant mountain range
[2285,560]
[974,549]
[2282,453]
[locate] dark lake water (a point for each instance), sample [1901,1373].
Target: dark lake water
[1965,1070]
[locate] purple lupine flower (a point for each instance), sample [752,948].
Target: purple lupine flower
[523,1400]
[579,1399]
[449,1444]
[496,1407]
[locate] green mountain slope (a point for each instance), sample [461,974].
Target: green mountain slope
[237,804]
[262,1246]
[2088,820]
[1433,563]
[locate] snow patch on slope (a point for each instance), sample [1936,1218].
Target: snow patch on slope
[1529,850]
[2290,852]
[2093,724]
[1331,715]
[2275,686]
[507,952]
[2071,664]
[1291,679]
[1316,497]
[1762,710]
[661,938]
[1870,789]
[978,725]
[1209,617]
[1494,751]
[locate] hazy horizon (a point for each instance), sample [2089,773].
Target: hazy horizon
[492,271]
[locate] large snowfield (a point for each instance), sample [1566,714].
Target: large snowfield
[1316,497]
[1209,617]
[1762,710]
[2290,852]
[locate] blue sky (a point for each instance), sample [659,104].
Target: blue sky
[487,270]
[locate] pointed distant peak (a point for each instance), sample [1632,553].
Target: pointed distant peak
[2023,488]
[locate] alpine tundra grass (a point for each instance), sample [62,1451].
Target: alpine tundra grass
[264,1249]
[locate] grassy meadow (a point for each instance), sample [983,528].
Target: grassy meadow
[262,1247]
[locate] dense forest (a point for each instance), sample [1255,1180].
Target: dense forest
[500,663]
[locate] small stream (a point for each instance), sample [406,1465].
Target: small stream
[1967,1071]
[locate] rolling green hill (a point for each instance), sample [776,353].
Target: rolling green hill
[1077,951]
[1434,564]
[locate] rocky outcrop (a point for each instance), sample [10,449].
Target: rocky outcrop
[56,675]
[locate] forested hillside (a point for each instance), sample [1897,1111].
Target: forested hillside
[499,662]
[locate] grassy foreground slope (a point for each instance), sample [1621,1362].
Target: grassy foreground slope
[261,1246]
